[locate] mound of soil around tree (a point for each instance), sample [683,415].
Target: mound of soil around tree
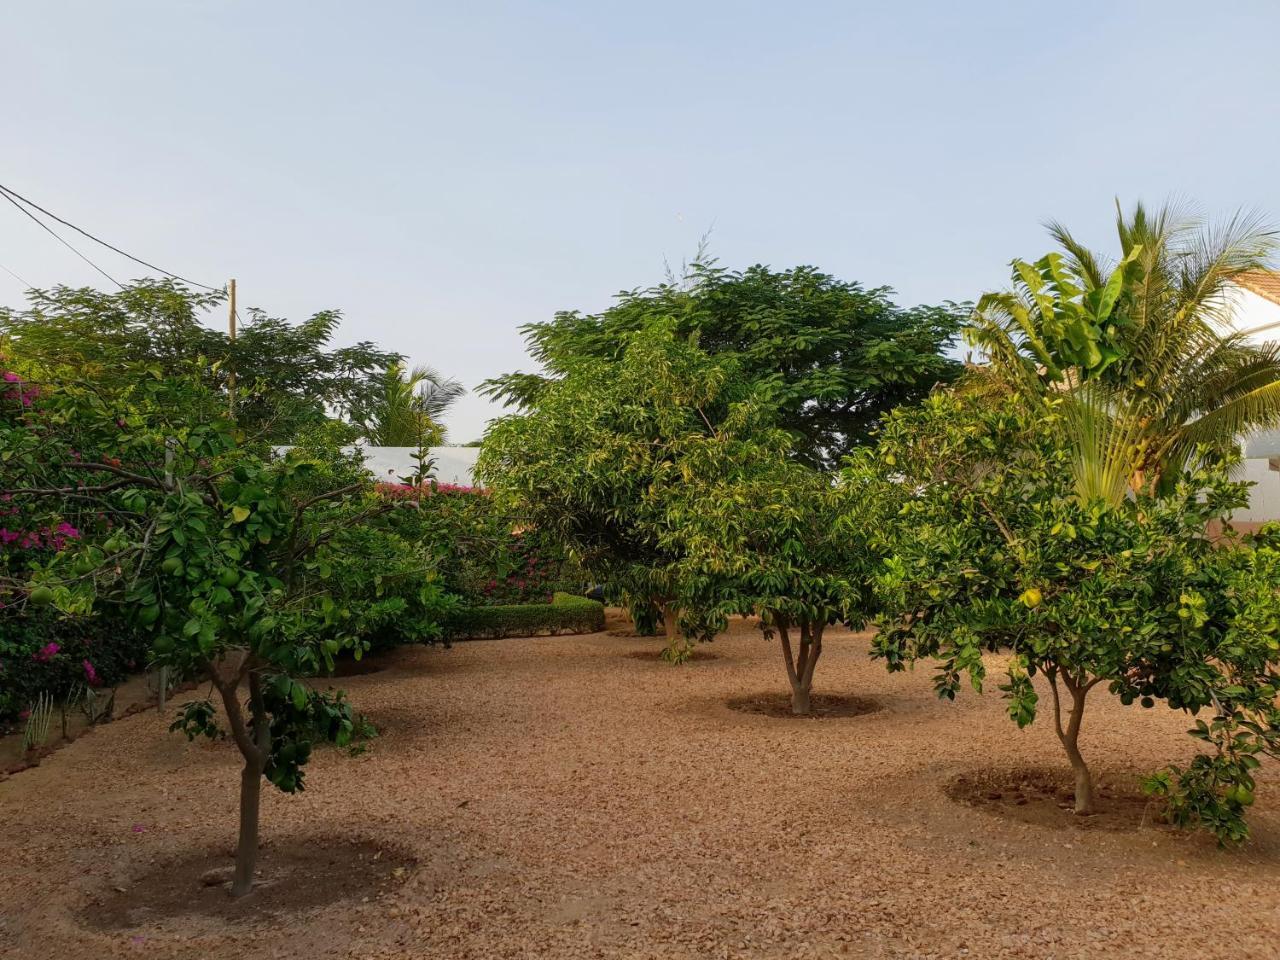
[1046,797]
[293,876]
[823,705]
[655,656]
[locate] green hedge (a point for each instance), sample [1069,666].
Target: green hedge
[564,614]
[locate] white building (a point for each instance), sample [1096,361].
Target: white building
[1254,298]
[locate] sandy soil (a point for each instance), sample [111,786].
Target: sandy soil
[560,797]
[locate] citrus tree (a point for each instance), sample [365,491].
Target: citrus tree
[230,558]
[994,549]
[763,535]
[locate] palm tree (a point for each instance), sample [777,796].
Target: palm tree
[1138,354]
[409,407]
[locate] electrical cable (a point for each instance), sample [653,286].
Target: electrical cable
[53,233]
[13,195]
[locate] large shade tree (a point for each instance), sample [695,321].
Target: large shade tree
[835,355]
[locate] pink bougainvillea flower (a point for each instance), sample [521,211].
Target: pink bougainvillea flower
[90,674]
[47,652]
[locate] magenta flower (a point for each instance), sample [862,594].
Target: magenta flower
[46,653]
[91,674]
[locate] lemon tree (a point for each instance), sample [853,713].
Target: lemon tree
[994,550]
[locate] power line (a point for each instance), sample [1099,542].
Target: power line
[29,286]
[53,233]
[12,194]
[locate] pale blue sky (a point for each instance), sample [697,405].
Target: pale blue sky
[446,172]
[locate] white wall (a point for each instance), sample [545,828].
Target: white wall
[1253,315]
[452,464]
[1259,319]
[1264,495]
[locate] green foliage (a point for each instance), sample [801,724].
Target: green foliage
[761,534]
[408,407]
[42,652]
[993,549]
[287,377]
[249,571]
[565,614]
[1144,353]
[484,555]
[594,461]
[834,355]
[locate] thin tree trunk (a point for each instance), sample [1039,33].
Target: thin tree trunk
[247,843]
[1069,735]
[254,749]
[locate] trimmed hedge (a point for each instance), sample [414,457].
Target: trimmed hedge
[564,614]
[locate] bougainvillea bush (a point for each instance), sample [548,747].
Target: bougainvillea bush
[41,652]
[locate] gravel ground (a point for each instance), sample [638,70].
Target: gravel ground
[560,797]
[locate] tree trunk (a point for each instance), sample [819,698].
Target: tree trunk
[1069,735]
[247,845]
[255,746]
[800,672]
[670,621]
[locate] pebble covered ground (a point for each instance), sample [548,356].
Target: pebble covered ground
[562,797]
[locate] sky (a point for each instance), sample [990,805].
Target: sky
[444,173]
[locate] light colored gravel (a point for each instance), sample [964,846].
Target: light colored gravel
[564,799]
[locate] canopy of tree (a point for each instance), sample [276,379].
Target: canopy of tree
[837,356]
[287,378]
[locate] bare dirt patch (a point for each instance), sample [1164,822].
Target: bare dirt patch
[1045,797]
[293,876]
[554,798]
[825,706]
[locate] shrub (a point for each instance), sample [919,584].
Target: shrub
[41,652]
[484,556]
[564,614]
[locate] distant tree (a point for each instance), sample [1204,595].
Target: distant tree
[595,461]
[836,356]
[408,408]
[287,378]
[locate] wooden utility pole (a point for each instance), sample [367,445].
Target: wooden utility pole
[231,327]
